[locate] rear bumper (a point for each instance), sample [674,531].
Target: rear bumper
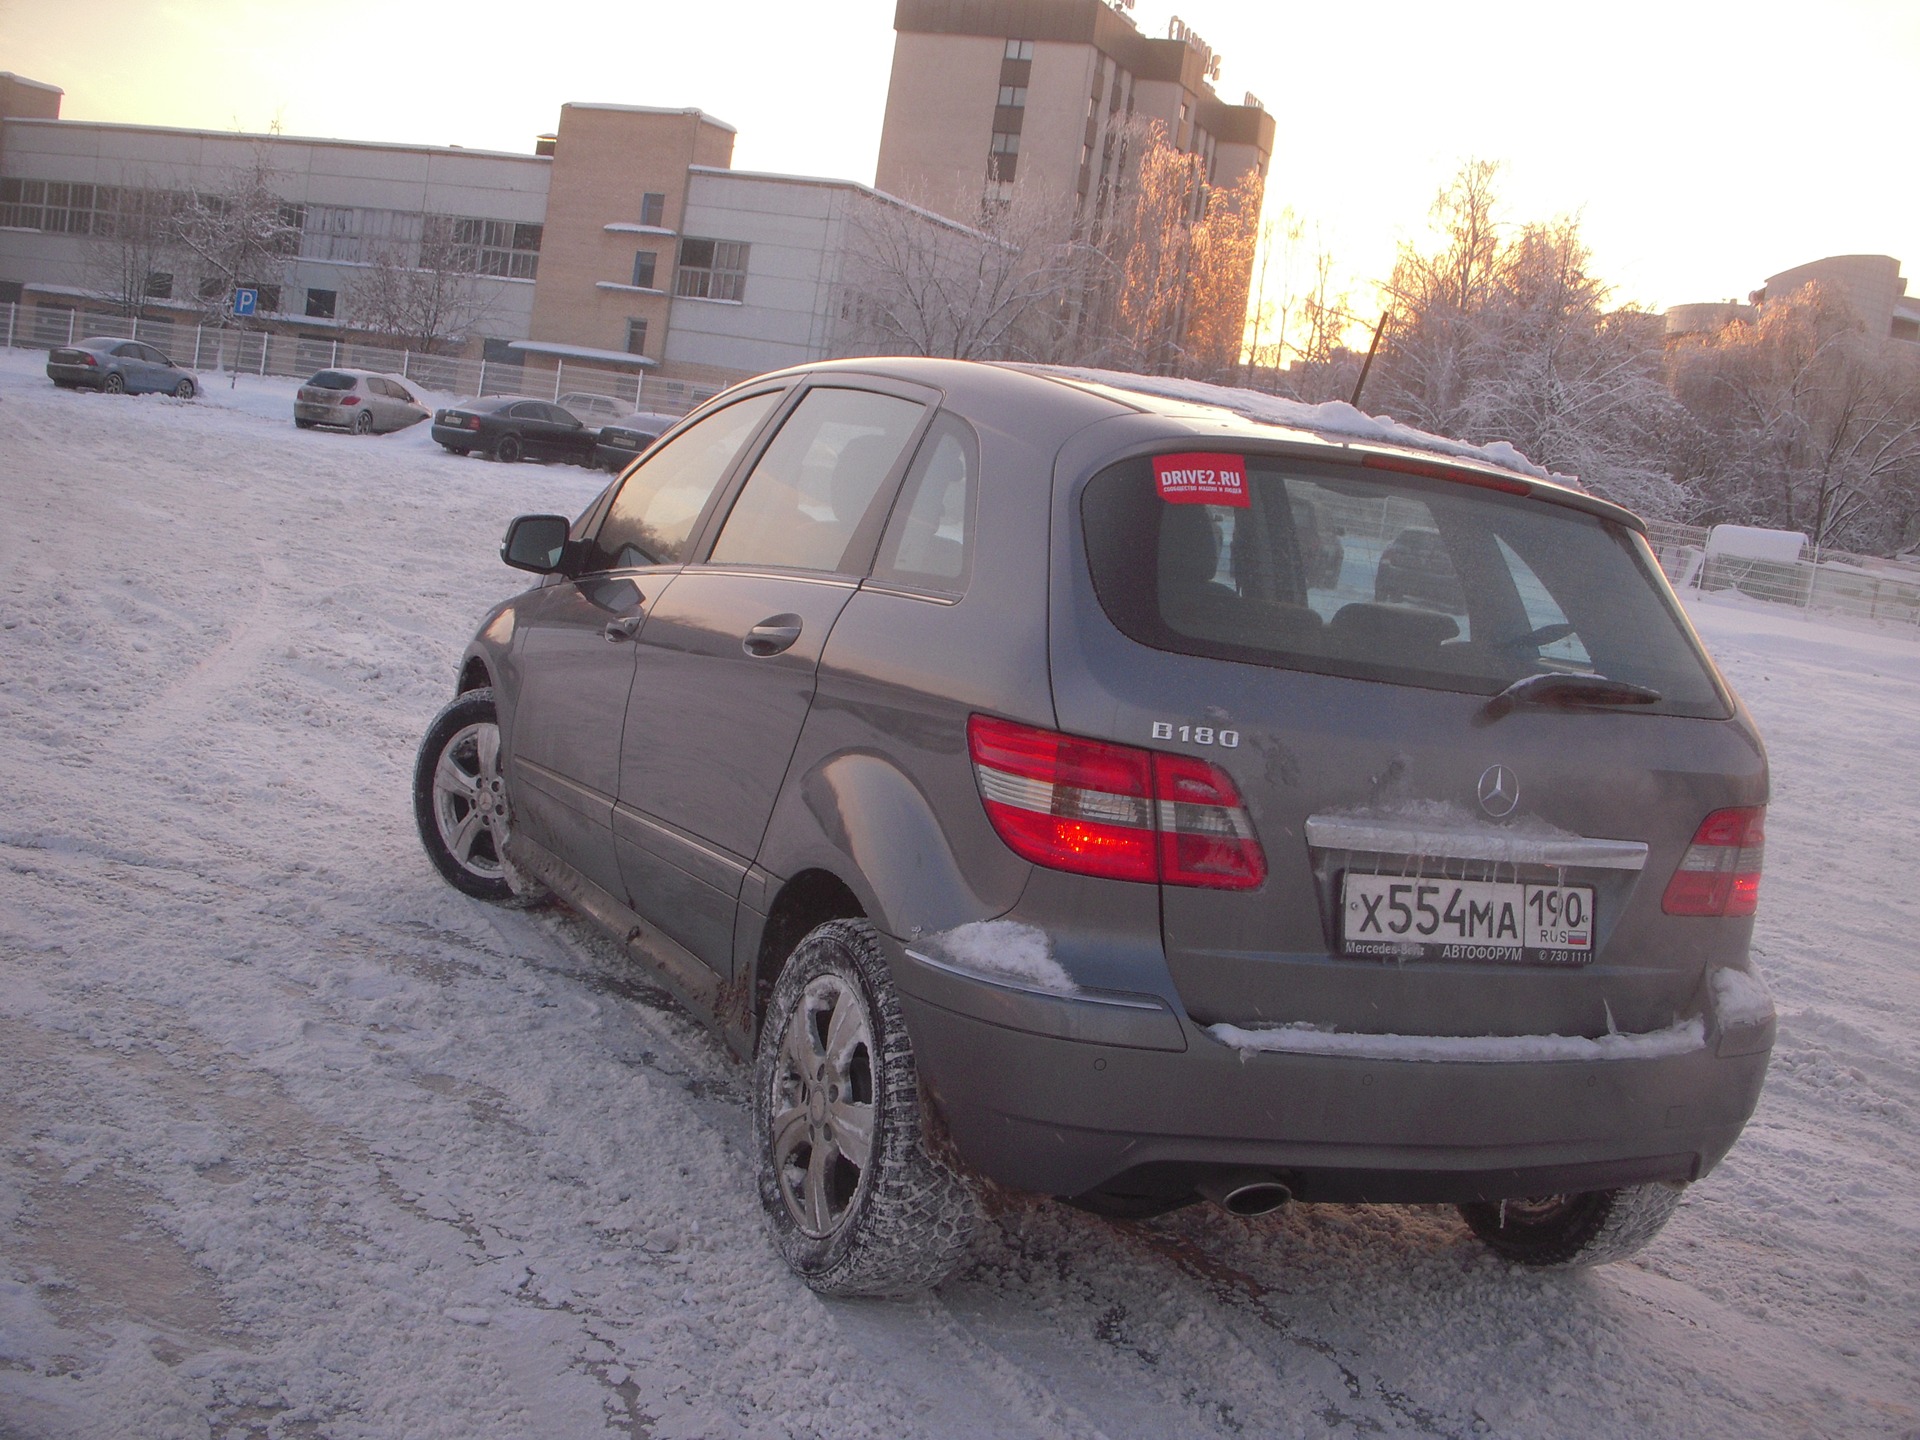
[614,457]
[91,376]
[1068,1095]
[454,437]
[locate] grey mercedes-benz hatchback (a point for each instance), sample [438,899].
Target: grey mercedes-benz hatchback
[1130,801]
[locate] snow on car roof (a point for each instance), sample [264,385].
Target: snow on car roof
[1332,418]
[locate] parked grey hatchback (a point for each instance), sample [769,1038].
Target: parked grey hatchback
[1005,761]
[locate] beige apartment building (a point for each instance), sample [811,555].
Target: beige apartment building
[624,240]
[993,97]
[1871,284]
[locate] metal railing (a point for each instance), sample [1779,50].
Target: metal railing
[1863,588]
[213,349]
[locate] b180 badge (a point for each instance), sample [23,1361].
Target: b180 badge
[1196,734]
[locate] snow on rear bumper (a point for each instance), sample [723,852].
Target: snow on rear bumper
[1062,1094]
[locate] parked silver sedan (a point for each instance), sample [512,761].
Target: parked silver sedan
[365,402]
[117,365]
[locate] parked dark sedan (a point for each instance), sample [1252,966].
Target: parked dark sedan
[1417,569]
[621,441]
[116,365]
[972,749]
[515,427]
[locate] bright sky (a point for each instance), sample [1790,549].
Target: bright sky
[1704,144]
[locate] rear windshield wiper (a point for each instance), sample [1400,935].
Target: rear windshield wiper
[1559,688]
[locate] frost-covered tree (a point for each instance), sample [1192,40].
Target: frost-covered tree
[242,235]
[1803,421]
[1516,339]
[135,250]
[1181,253]
[1440,301]
[920,284]
[425,293]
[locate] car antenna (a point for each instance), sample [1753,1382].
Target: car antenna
[1361,383]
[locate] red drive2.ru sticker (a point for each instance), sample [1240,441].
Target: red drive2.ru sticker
[1202,479]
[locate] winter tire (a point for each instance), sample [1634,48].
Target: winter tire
[184,390]
[460,802]
[363,423]
[114,383]
[507,450]
[1587,1228]
[858,1203]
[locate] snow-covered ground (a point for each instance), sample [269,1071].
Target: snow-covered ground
[297,1141]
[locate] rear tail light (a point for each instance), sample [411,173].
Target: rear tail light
[1720,873]
[349,399]
[1114,811]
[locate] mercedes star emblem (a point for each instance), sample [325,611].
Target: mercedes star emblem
[1499,791]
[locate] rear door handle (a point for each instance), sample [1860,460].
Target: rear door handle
[625,628]
[772,635]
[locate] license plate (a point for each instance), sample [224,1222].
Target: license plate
[1418,918]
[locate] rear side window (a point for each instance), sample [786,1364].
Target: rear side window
[929,539]
[804,502]
[1409,580]
[663,495]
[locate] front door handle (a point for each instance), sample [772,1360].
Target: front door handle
[772,635]
[625,628]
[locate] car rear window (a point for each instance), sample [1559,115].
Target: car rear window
[1408,579]
[334,380]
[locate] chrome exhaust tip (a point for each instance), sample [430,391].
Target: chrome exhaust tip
[1247,1195]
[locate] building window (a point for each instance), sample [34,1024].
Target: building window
[57,206]
[653,208]
[269,301]
[1004,157]
[712,269]
[1019,50]
[643,261]
[636,337]
[1013,94]
[159,285]
[320,303]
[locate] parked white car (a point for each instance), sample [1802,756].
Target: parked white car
[365,402]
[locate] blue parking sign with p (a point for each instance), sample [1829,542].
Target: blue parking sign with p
[245,302]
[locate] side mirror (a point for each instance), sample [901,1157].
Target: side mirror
[536,542]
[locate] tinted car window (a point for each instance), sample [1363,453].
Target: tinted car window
[929,539]
[652,516]
[808,494]
[332,380]
[1434,583]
